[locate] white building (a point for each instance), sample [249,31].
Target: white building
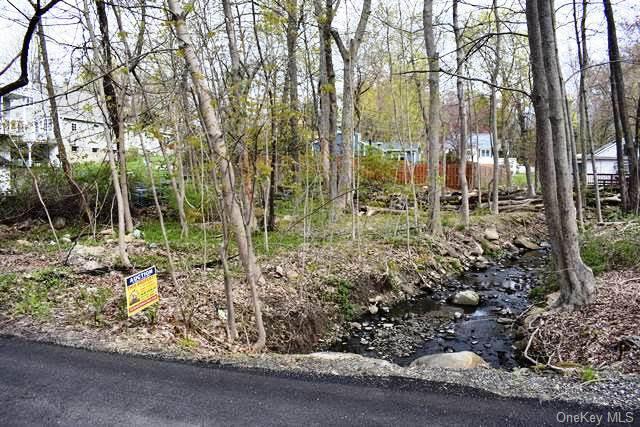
[606,161]
[481,151]
[27,125]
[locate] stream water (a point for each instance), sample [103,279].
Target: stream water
[428,323]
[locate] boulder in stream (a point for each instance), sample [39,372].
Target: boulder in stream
[457,360]
[523,242]
[467,297]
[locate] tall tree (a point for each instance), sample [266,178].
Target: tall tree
[349,53]
[433,148]
[213,132]
[324,11]
[621,120]
[586,139]
[462,118]
[115,113]
[495,140]
[290,93]
[55,121]
[577,284]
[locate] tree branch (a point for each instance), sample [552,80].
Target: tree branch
[23,79]
[473,79]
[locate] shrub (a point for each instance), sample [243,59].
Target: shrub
[33,301]
[376,168]
[97,300]
[606,252]
[343,296]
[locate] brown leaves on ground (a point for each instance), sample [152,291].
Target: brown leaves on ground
[591,336]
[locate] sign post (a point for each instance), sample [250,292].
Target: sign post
[141,290]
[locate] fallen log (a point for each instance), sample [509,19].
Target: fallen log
[372,210]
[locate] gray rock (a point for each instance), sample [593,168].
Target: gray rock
[468,297]
[355,325]
[59,222]
[87,258]
[292,274]
[476,249]
[25,243]
[349,359]
[491,234]
[457,360]
[523,242]
[373,309]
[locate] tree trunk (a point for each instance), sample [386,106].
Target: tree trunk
[102,100]
[583,56]
[328,101]
[349,55]
[531,189]
[574,277]
[291,7]
[235,119]
[435,224]
[618,97]
[114,110]
[494,115]
[55,120]
[214,135]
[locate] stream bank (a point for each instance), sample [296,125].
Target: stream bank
[431,323]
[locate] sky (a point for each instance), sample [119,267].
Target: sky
[63,30]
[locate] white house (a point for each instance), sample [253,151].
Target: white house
[28,125]
[606,161]
[481,151]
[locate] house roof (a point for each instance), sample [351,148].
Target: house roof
[607,151]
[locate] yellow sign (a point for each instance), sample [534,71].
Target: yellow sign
[141,290]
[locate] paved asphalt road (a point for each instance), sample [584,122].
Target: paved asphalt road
[45,384]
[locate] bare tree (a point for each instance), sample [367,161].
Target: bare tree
[577,284]
[494,114]
[586,140]
[349,55]
[324,11]
[211,125]
[23,79]
[462,118]
[98,63]
[632,199]
[433,148]
[115,113]
[55,121]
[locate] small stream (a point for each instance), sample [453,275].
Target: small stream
[428,324]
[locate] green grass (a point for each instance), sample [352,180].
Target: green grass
[608,252]
[187,343]
[588,374]
[32,293]
[342,296]
[519,180]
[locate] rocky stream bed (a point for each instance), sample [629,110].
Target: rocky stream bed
[447,319]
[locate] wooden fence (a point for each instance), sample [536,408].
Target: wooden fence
[403,174]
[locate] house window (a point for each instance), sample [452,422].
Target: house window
[94,150]
[48,125]
[74,148]
[74,127]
